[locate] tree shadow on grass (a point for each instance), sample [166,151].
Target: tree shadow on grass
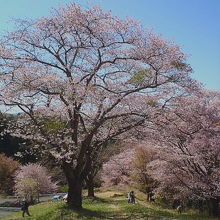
[86,213]
[67,213]
[90,214]
[96,200]
[109,214]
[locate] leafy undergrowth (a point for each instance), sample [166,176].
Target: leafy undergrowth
[108,205]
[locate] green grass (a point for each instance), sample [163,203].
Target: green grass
[108,205]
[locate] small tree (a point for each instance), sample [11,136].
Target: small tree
[8,168]
[36,179]
[144,154]
[27,188]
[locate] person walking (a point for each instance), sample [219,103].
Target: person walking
[24,208]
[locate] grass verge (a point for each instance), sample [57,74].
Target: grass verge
[107,205]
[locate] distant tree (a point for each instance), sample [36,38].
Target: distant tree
[9,145]
[35,178]
[27,188]
[130,168]
[144,154]
[95,76]
[56,171]
[103,156]
[118,170]
[14,147]
[8,167]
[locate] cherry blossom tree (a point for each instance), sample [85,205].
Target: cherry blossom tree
[188,163]
[118,170]
[27,188]
[33,179]
[83,78]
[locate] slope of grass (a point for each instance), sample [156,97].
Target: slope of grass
[107,205]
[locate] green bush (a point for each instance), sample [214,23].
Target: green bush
[63,189]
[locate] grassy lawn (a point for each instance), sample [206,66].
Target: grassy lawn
[107,205]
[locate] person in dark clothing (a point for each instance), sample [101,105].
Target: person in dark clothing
[24,208]
[131,197]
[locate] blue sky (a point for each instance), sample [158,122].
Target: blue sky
[193,24]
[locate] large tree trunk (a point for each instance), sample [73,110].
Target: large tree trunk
[214,207]
[74,180]
[74,199]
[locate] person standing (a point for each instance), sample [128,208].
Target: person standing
[131,197]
